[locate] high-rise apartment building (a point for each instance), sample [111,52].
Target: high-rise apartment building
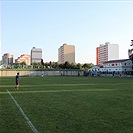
[66,53]
[36,55]
[23,58]
[106,52]
[7,59]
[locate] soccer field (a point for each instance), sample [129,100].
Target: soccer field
[66,105]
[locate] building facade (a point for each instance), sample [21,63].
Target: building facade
[66,53]
[36,55]
[23,58]
[7,59]
[107,52]
[123,65]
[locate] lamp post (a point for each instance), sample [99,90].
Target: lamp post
[132,55]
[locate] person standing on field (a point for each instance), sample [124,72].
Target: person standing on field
[42,75]
[17,81]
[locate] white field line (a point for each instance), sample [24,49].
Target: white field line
[24,115]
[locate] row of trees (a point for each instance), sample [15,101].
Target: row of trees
[66,65]
[55,65]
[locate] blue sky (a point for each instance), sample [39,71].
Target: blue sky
[49,24]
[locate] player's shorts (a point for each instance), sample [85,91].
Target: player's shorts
[17,83]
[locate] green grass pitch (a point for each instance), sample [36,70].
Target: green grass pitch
[67,105]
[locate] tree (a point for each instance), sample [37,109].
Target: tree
[55,65]
[66,65]
[46,65]
[22,63]
[34,64]
[50,64]
[61,66]
[79,66]
[130,54]
[72,66]
[42,63]
[87,66]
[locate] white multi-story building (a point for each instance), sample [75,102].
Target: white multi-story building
[106,52]
[66,53]
[123,65]
[36,55]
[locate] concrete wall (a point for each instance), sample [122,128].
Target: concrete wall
[39,73]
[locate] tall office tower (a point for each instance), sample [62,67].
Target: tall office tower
[7,59]
[23,58]
[36,55]
[106,52]
[66,53]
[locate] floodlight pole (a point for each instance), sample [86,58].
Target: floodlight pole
[132,55]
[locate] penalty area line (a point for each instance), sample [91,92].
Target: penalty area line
[24,115]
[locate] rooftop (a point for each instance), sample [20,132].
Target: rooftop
[114,61]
